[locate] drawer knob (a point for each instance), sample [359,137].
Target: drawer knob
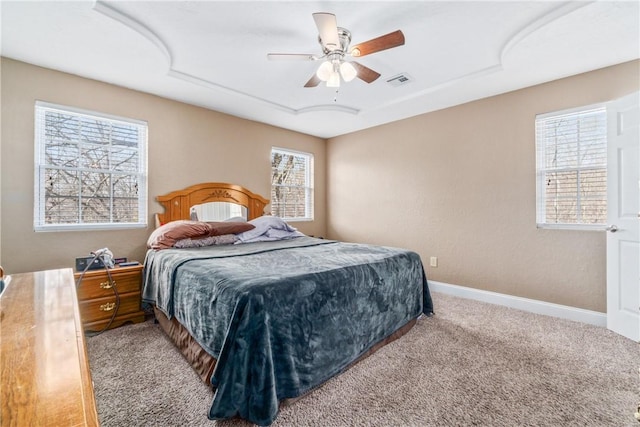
[108,306]
[106,285]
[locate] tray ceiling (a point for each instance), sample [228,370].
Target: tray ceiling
[213,53]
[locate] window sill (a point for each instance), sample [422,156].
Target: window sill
[298,219]
[85,227]
[577,227]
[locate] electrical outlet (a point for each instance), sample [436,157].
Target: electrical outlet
[433,261]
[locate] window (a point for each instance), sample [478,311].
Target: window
[291,185]
[90,170]
[571,165]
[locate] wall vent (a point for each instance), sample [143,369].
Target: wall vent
[400,79]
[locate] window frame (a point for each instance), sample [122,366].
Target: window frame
[40,165]
[541,220]
[309,184]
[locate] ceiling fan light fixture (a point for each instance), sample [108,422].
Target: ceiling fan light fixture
[348,71]
[324,71]
[335,42]
[334,80]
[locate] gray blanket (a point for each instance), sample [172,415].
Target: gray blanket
[283,317]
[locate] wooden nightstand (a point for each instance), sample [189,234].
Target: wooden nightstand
[97,299]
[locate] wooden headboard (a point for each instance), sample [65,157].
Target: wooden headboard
[178,203]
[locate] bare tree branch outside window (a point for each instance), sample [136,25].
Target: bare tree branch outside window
[291,184]
[91,170]
[572,167]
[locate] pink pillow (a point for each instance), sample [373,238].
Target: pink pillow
[166,235]
[229,227]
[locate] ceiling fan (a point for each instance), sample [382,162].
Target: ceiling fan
[335,42]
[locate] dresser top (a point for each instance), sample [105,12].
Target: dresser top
[44,367]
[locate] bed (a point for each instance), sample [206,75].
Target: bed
[265,321]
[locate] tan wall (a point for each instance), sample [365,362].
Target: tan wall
[187,145]
[459,184]
[0,165]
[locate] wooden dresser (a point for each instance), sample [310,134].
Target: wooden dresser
[44,367]
[98,301]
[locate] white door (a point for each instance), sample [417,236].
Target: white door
[623,216]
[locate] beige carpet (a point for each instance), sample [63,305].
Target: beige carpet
[470,364]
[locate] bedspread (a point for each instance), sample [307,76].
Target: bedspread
[283,317]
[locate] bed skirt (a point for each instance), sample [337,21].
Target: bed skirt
[201,361]
[204,363]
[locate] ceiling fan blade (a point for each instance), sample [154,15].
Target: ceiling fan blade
[291,56]
[328,29]
[313,81]
[387,41]
[365,73]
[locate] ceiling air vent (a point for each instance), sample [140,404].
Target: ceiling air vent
[400,80]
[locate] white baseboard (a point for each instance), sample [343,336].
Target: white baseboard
[525,304]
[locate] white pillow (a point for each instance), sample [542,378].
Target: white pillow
[236,219]
[264,224]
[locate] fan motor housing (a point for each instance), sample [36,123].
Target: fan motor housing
[344,36]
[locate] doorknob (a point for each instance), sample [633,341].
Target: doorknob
[612,228]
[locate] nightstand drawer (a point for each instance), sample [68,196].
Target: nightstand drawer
[97,299]
[96,284]
[102,308]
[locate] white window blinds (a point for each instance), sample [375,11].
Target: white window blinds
[571,166]
[291,184]
[90,170]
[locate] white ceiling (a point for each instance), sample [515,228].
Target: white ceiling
[213,53]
